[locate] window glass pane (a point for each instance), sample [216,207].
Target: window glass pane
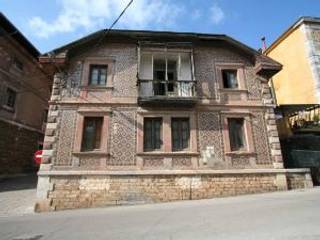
[236,133]
[152,134]
[230,78]
[180,131]
[172,70]
[11,97]
[94,76]
[98,75]
[103,76]
[91,133]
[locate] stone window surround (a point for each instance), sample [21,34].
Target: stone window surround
[166,148]
[98,61]
[12,110]
[247,128]
[242,88]
[82,113]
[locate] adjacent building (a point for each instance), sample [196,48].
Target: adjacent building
[145,116]
[24,94]
[298,50]
[297,93]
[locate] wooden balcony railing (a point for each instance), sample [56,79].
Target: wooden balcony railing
[175,89]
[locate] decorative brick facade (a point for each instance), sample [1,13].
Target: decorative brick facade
[121,171]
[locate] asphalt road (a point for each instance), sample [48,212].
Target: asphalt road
[285,215]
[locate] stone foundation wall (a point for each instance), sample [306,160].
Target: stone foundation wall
[82,191]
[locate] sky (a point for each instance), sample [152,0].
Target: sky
[49,24]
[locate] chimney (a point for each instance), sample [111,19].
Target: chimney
[264,45]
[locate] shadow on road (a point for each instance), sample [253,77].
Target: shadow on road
[21,182]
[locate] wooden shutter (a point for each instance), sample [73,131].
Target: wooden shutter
[152,134]
[180,130]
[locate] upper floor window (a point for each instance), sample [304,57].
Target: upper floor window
[152,139]
[180,133]
[11,98]
[18,64]
[166,74]
[91,137]
[229,77]
[98,75]
[236,134]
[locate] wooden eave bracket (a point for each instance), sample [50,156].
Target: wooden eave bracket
[267,70]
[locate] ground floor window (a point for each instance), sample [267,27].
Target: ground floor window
[152,139]
[236,134]
[91,137]
[180,133]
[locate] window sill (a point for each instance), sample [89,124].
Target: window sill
[91,153]
[240,153]
[233,90]
[96,87]
[7,108]
[182,153]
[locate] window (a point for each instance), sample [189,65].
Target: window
[229,78]
[236,134]
[180,133]
[152,134]
[11,98]
[164,75]
[98,75]
[18,64]
[91,137]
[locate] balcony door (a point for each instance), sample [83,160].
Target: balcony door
[167,74]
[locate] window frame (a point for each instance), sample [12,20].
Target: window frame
[99,67]
[249,143]
[181,147]
[165,82]
[243,136]
[166,132]
[109,61]
[226,71]
[153,129]
[97,133]
[7,98]
[18,64]
[241,78]
[85,112]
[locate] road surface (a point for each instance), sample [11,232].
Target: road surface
[284,215]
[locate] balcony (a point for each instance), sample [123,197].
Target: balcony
[180,93]
[166,78]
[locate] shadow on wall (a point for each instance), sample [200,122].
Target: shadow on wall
[21,182]
[303,151]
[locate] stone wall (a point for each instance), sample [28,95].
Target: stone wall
[82,191]
[17,146]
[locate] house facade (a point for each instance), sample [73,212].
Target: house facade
[24,94]
[142,116]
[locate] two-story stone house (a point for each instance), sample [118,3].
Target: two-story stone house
[143,116]
[24,94]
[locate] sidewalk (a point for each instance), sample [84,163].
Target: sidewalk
[17,194]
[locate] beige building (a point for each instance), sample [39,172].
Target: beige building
[24,94]
[298,50]
[144,116]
